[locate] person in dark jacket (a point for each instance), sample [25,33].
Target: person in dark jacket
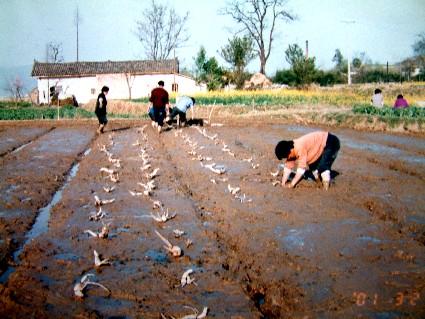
[100,110]
[159,100]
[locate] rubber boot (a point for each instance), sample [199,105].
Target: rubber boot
[316,175]
[326,179]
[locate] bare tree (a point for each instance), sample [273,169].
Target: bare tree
[54,52]
[259,18]
[161,31]
[16,88]
[129,78]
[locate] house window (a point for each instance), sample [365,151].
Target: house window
[174,87]
[93,91]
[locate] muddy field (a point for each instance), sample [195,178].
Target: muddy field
[355,251]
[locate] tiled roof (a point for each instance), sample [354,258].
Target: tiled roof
[108,67]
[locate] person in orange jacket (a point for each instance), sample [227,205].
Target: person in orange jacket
[315,151]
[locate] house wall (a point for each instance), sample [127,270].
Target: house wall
[80,87]
[87,88]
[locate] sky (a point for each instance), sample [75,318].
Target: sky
[384,29]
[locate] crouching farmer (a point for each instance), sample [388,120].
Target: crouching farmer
[100,109]
[315,151]
[180,109]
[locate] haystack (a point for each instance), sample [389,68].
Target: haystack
[258,81]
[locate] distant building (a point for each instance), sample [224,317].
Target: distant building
[125,79]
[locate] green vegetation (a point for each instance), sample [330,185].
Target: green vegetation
[9,104]
[411,112]
[208,70]
[289,98]
[28,112]
[302,67]
[25,111]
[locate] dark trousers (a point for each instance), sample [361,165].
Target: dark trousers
[159,115]
[102,118]
[328,156]
[151,115]
[174,112]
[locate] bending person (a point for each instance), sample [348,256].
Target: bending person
[315,151]
[182,105]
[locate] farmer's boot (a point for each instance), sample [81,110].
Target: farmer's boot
[326,179]
[316,175]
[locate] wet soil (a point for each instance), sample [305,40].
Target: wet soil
[355,251]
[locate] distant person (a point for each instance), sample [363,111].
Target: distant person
[378,98]
[400,102]
[315,151]
[159,99]
[182,105]
[100,110]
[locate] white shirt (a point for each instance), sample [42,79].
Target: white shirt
[184,103]
[378,100]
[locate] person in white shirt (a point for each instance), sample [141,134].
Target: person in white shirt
[182,105]
[377,98]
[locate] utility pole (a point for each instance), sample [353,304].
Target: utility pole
[77,23]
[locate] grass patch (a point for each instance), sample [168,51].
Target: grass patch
[11,104]
[36,113]
[28,112]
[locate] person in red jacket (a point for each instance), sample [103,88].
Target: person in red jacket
[159,101]
[315,151]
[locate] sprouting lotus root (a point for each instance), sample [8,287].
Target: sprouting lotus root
[186,279]
[79,287]
[174,250]
[99,202]
[98,261]
[103,234]
[163,217]
[233,190]
[96,216]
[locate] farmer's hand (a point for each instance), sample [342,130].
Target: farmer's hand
[289,185]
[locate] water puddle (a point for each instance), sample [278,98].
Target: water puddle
[299,129]
[382,149]
[41,224]
[20,148]
[5,276]
[42,221]
[369,239]
[157,256]
[87,152]
[416,219]
[67,257]
[388,315]
[315,239]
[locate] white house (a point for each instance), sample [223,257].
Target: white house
[125,79]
